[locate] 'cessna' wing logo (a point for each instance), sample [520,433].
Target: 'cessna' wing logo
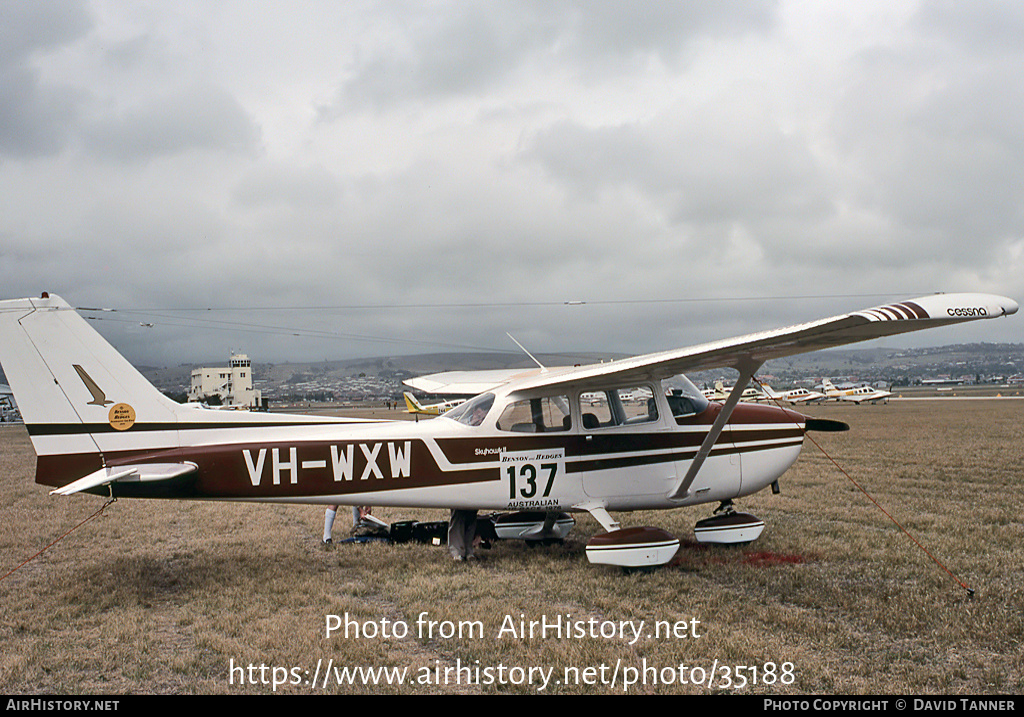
[98,397]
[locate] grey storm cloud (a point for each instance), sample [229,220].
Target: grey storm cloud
[31,27]
[465,48]
[36,115]
[445,173]
[697,171]
[200,117]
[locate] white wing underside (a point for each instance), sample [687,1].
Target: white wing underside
[468,383]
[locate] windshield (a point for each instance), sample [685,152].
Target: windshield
[683,397]
[473,411]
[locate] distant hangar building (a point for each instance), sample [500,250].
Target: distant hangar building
[229,386]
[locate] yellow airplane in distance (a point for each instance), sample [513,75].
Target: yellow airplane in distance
[431,409]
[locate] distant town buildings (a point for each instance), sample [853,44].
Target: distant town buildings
[378,380]
[227,386]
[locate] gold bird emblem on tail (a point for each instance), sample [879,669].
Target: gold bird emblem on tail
[98,397]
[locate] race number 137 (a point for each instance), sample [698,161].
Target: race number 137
[531,474]
[527,478]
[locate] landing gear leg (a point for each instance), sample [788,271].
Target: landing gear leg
[725,508]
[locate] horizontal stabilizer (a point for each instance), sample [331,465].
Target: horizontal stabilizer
[142,472]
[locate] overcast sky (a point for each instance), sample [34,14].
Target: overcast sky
[438,173]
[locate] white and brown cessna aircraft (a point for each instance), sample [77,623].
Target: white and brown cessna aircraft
[525,444]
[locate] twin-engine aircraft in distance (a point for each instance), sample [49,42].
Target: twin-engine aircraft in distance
[857,395]
[527,443]
[793,396]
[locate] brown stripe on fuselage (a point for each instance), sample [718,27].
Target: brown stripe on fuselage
[687,455]
[62,429]
[59,470]
[785,423]
[224,471]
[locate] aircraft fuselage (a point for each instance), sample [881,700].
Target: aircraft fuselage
[441,463]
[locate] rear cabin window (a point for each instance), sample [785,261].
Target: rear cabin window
[546,414]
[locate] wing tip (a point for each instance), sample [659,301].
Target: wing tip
[944,307]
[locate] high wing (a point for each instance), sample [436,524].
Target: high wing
[750,350]
[468,383]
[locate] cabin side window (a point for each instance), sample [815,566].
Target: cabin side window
[545,414]
[625,406]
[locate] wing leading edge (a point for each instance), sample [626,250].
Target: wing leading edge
[754,349]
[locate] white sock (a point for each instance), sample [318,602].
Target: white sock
[328,523]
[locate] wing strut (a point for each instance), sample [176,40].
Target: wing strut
[747,370]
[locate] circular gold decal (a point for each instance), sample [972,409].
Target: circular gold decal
[121,416]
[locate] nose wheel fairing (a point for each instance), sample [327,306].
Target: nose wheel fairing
[728,527]
[640,547]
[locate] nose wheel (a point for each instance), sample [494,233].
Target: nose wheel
[727,526]
[629,548]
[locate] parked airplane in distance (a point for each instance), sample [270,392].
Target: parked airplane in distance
[793,396]
[431,409]
[855,395]
[721,392]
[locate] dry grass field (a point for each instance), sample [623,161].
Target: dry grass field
[164,597]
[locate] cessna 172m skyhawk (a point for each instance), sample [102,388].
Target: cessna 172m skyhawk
[525,444]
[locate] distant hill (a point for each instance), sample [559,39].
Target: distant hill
[902,366]
[897,366]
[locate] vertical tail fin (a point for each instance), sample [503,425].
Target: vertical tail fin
[411,404]
[77,395]
[92,417]
[63,372]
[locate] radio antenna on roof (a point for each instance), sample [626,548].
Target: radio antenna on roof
[543,368]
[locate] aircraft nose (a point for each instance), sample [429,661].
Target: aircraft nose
[1009,307]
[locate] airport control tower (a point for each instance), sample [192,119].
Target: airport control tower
[229,386]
